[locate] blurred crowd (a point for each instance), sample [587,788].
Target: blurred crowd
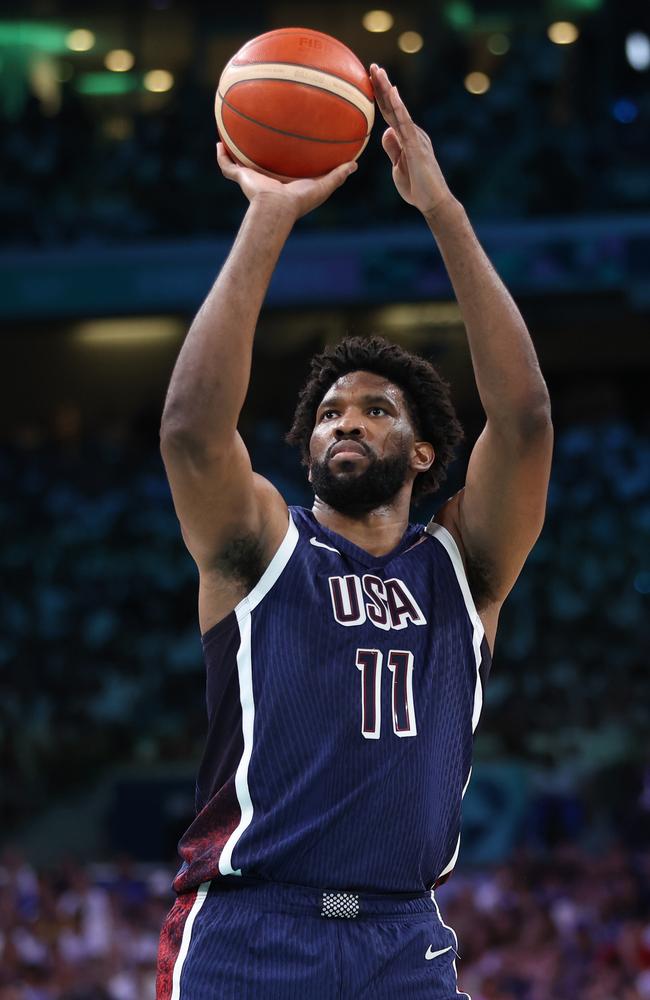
[98,626]
[99,635]
[558,132]
[554,926]
[547,926]
[76,933]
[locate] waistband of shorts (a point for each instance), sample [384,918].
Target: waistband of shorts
[326,902]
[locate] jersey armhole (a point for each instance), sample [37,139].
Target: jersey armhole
[272,572]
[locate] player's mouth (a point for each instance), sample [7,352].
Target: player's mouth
[348,449]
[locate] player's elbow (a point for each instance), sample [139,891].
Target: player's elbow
[536,420]
[174,434]
[181,427]
[527,423]
[531,419]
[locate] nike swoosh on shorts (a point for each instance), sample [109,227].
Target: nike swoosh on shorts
[434,954]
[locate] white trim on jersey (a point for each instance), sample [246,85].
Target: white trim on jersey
[272,572]
[245,674]
[454,858]
[201,894]
[448,542]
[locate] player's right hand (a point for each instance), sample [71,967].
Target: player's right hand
[416,171]
[298,197]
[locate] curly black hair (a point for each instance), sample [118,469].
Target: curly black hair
[426,393]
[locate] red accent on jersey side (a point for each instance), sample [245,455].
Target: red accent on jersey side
[171,937]
[202,844]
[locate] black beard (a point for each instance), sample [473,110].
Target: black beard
[359,494]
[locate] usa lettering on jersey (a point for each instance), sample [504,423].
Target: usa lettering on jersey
[387,604]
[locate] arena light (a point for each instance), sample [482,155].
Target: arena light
[34,35]
[498,44]
[477,82]
[377,20]
[105,84]
[413,317]
[410,41]
[80,40]
[625,111]
[637,50]
[128,332]
[45,84]
[563,32]
[119,60]
[158,81]
[459,15]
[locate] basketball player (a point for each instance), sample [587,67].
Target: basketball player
[346,649]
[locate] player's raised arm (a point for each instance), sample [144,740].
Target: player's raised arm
[217,497]
[499,514]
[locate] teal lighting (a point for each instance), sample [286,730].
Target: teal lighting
[33,35]
[107,84]
[459,15]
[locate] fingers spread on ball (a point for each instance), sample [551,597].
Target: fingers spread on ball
[226,162]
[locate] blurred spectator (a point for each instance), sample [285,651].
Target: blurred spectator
[78,941]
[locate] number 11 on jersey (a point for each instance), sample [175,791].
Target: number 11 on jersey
[400,664]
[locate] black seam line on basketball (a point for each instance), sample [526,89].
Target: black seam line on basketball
[279,33]
[299,83]
[291,135]
[325,72]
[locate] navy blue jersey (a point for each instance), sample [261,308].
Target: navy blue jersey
[342,692]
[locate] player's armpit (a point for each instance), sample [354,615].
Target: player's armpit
[219,499]
[499,514]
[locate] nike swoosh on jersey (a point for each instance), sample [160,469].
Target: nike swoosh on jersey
[322,545]
[434,954]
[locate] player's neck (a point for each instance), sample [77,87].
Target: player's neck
[377,531]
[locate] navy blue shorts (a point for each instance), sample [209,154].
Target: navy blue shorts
[268,941]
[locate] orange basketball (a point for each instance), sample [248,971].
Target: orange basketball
[294,103]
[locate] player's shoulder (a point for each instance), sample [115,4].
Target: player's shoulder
[448,517]
[478,569]
[272,514]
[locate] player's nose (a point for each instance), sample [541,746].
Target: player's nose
[348,427]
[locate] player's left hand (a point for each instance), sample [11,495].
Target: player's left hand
[297,196]
[416,173]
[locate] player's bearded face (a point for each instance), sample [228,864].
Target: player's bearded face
[353,491]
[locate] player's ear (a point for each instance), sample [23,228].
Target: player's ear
[423,456]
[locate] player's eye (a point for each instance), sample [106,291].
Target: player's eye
[328,414]
[377,411]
